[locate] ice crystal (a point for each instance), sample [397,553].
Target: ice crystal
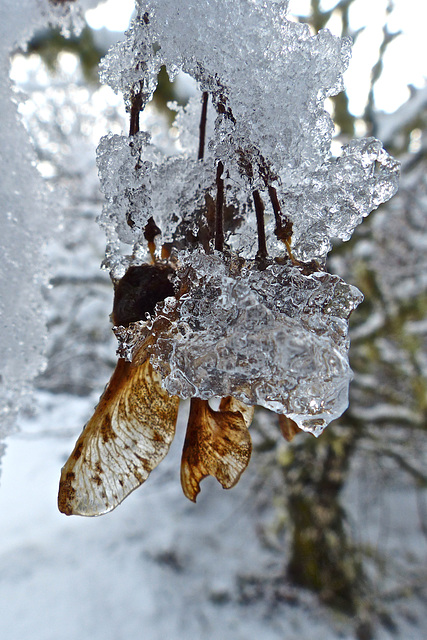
[339,195]
[171,190]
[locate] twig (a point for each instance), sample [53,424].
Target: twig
[219,210]
[202,126]
[422,511]
[282,231]
[151,230]
[135,109]
[417,474]
[259,210]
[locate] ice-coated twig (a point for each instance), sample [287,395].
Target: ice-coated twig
[283,230]
[219,209]
[136,105]
[151,230]
[259,211]
[202,126]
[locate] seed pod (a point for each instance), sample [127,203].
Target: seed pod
[138,292]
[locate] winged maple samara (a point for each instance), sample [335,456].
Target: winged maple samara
[134,422]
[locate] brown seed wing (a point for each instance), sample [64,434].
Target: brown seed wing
[288,427]
[217,444]
[126,438]
[232,404]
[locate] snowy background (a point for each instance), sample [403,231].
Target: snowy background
[159,566]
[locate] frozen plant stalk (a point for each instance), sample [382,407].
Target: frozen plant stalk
[247,203]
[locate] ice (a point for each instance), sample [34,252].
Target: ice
[270,332]
[267,79]
[171,191]
[253,72]
[132,66]
[339,195]
[274,337]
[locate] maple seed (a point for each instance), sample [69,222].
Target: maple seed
[128,435]
[217,444]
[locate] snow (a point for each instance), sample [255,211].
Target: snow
[153,565]
[23,220]
[389,125]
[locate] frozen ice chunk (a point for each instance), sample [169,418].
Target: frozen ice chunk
[332,201]
[131,66]
[275,333]
[274,337]
[124,180]
[173,191]
[267,79]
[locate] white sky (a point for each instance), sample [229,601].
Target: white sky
[405,61]
[113,14]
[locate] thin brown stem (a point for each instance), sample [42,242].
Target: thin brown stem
[259,211]
[151,230]
[283,230]
[134,113]
[219,210]
[202,126]
[278,215]
[136,105]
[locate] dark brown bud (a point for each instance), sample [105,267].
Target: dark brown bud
[138,292]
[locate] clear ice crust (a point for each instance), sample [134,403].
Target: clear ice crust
[273,337]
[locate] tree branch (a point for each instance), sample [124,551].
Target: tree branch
[202,126]
[259,210]
[219,210]
[135,109]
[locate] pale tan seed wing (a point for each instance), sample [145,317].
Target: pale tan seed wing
[217,444]
[128,435]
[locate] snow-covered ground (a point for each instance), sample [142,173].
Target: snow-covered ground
[159,566]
